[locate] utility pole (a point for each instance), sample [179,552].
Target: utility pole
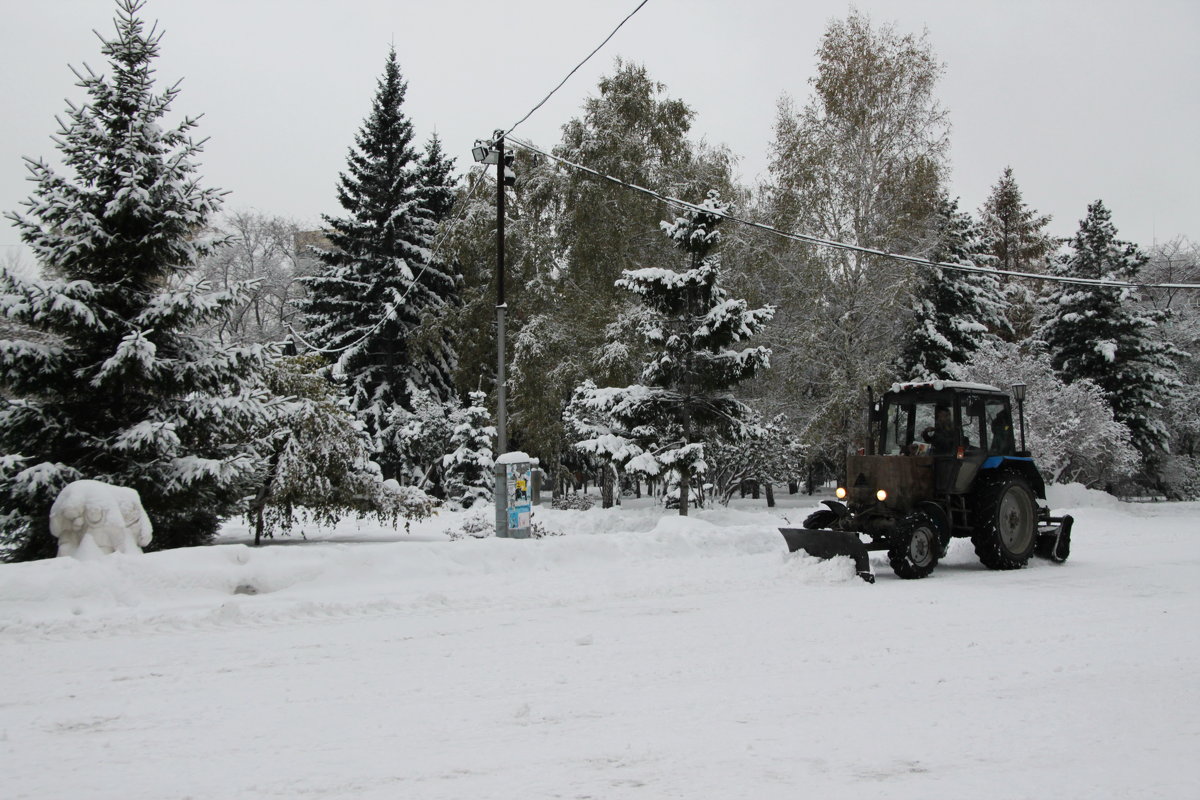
[501,306]
[513,506]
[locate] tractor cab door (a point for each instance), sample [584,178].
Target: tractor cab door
[975,417]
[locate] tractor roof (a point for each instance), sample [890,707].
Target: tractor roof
[937,386]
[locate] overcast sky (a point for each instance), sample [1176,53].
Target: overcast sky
[1084,100]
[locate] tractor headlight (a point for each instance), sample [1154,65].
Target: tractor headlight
[840,493]
[881,495]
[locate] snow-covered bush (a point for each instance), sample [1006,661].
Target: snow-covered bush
[572,502]
[766,453]
[318,465]
[482,524]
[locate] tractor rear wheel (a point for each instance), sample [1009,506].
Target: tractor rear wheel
[1005,522]
[915,546]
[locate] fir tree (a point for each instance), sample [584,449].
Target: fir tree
[468,477]
[1101,333]
[436,180]
[377,301]
[1015,236]
[953,311]
[685,394]
[105,377]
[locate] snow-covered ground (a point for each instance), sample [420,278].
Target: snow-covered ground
[639,655]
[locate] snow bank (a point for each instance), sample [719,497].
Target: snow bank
[1065,496]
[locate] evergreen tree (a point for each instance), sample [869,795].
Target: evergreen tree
[1014,236]
[953,311]
[1101,334]
[436,180]
[469,479]
[685,394]
[631,129]
[420,438]
[106,378]
[377,302]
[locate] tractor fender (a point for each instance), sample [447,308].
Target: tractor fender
[837,508]
[1021,466]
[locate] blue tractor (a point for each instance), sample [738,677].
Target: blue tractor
[941,462]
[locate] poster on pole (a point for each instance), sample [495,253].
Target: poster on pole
[520,503]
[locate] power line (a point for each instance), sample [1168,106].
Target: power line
[576,69]
[815,240]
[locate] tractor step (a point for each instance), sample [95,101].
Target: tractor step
[829,544]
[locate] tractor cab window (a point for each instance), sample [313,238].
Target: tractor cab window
[974,422]
[999,426]
[917,426]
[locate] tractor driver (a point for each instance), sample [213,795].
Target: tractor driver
[941,433]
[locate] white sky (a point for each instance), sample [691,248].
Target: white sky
[1084,100]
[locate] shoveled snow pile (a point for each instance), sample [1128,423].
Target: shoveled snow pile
[636,654]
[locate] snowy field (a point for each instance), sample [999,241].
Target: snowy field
[639,655]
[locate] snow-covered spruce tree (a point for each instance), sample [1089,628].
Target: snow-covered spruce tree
[599,436]
[318,464]
[1101,334]
[421,438]
[468,478]
[107,379]
[952,311]
[1014,235]
[376,302]
[685,393]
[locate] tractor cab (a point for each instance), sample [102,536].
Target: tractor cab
[960,426]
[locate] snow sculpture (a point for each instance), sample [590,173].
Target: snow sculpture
[97,517]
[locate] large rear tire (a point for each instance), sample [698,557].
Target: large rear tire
[1005,521]
[915,546]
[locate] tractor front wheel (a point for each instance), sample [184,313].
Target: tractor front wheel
[914,546]
[1005,521]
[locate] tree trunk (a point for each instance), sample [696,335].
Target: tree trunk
[770,495]
[754,490]
[685,490]
[264,494]
[606,486]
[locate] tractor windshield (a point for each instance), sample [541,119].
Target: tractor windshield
[918,424]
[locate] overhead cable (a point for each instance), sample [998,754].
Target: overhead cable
[576,69]
[815,240]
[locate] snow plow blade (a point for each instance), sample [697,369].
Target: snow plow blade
[828,544]
[1054,538]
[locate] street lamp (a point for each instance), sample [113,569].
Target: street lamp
[483,153]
